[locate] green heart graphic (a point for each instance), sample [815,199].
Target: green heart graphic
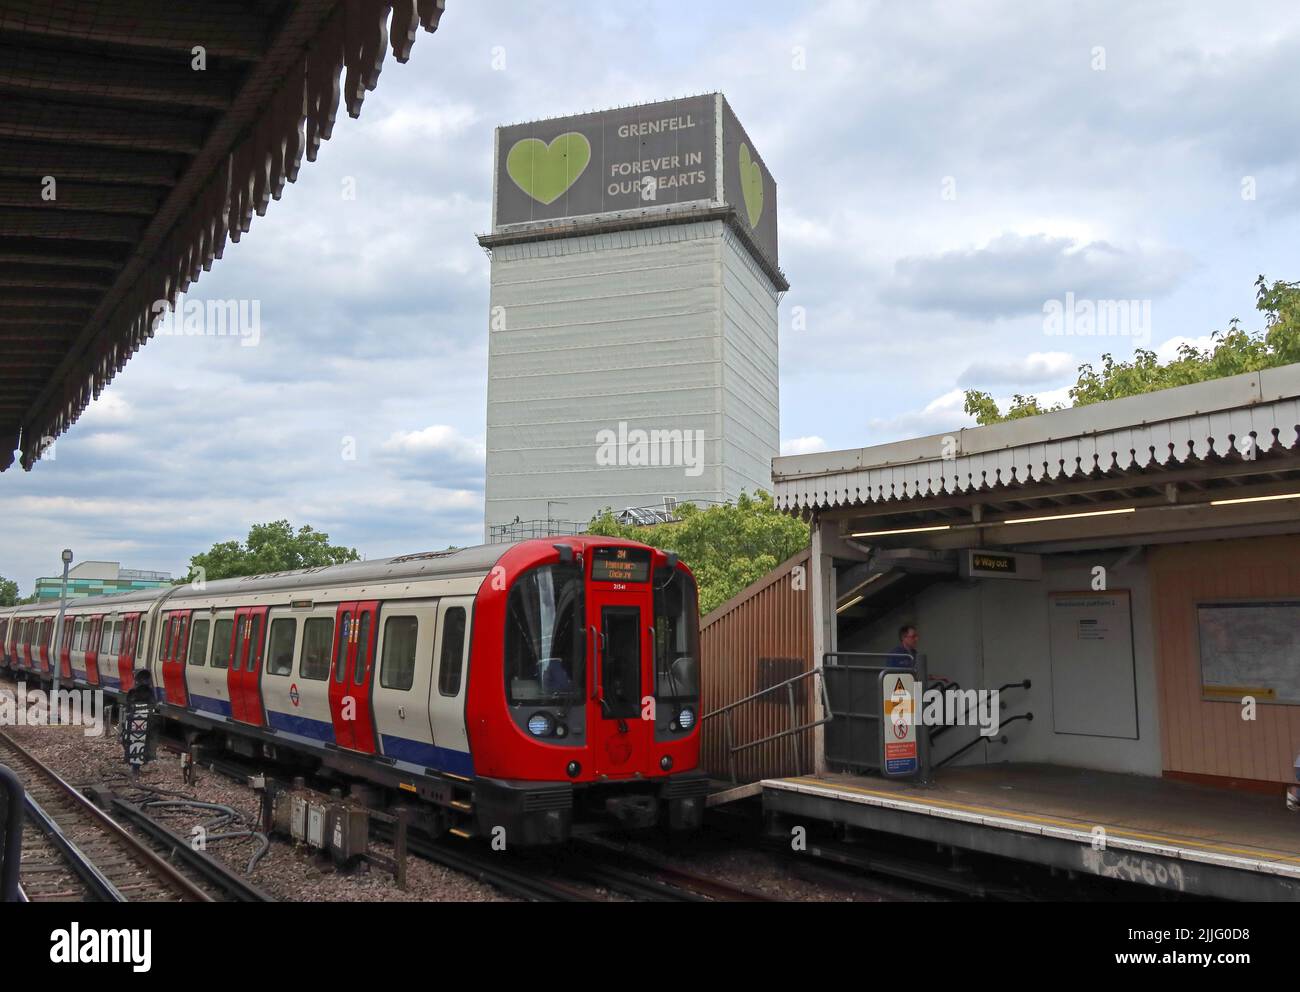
[751,184]
[545,172]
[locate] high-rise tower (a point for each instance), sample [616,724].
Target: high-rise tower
[633,317]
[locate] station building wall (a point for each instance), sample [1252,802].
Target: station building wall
[986,633]
[1204,739]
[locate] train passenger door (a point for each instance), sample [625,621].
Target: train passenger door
[125,637]
[92,650]
[65,649]
[176,635]
[243,676]
[47,636]
[351,670]
[619,614]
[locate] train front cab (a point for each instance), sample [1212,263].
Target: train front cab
[596,704]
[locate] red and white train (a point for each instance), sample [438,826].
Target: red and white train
[522,686]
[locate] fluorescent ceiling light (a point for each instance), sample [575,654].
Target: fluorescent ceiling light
[1070,516]
[1252,499]
[852,602]
[907,530]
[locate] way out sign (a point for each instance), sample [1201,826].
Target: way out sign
[900,703]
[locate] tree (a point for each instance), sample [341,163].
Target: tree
[1235,351]
[272,547]
[8,592]
[727,547]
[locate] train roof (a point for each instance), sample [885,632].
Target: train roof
[456,563]
[429,564]
[425,565]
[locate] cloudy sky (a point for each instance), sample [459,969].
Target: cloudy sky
[945,169]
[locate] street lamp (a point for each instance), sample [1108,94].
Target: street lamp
[58,634]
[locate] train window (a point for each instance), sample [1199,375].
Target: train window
[279,659]
[397,667]
[453,651]
[142,635]
[254,644]
[677,636]
[105,638]
[117,638]
[544,654]
[341,661]
[222,634]
[317,638]
[199,642]
[363,647]
[167,639]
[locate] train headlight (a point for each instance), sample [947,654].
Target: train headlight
[573,769]
[541,725]
[686,718]
[666,762]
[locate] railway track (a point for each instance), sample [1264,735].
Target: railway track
[654,879]
[73,852]
[222,883]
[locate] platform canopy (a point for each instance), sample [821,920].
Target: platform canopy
[1195,462]
[136,138]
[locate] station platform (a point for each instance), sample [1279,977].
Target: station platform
[1173,835]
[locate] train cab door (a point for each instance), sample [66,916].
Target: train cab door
[352,668]
[619,614]
[176,635]
[243,678]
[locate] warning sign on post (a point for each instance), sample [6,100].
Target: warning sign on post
[898,694]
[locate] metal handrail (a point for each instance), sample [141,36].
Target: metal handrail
[12,855]
[733,749]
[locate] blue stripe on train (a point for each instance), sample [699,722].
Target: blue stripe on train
[303,726]
[428,755]
[210,704]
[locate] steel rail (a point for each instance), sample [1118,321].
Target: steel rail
[143,858]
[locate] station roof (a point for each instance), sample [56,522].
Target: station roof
[136,137]
[1115,467]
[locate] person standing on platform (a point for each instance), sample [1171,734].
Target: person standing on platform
[904,656]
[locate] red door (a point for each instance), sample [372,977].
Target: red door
[65,649]
[128,631]
[47,632]
[176,635]
[355,633]
[92,651]
[619,614]
[243,677]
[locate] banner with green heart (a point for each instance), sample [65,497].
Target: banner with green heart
[751,185]
[546,172]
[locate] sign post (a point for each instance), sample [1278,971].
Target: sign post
[900,696]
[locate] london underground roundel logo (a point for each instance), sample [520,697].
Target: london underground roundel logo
[293,694]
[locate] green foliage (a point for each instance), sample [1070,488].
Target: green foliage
[8,592]
[272,547]
[1235,351]
[727,547]
[985,408]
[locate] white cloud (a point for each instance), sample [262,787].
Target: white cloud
[1032,369]
[437,439]
[1014,275]
[1167,351]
